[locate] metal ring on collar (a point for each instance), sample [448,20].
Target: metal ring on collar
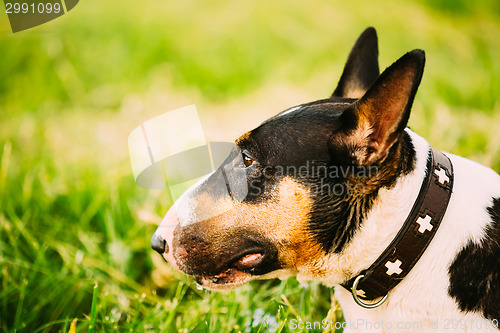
[359,302]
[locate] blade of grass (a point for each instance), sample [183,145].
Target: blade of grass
[20,303]
[93,310]
[51,324]
[4,165]
[281,327]
[291,307]
[179,294]
[72,328]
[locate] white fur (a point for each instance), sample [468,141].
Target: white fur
[420,303]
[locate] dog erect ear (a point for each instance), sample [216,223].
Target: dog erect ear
[382,113]
[361,69]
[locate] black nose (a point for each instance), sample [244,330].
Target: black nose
[159,244]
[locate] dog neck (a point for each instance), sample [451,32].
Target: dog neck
[383,222]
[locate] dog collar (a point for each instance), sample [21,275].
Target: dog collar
[412,239]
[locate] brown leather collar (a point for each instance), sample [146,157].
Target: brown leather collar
[412,239]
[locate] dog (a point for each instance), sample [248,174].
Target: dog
[341,191]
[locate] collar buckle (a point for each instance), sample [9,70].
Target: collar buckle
[355,291]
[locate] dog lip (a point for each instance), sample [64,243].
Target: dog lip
[246,260]
[237,271]
[228,278]
[249,261]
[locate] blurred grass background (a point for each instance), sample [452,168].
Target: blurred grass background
[72,90]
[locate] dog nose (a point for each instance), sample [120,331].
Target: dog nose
[162,240]
[159,244]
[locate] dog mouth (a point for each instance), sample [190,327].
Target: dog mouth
[240,271]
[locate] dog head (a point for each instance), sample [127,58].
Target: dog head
[305,180]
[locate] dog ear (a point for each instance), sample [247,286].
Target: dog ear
[361,69]
[383,112]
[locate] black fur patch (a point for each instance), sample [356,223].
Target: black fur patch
[335,216]
[475,272]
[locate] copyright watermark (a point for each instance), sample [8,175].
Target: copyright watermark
[368,325]
[321,179]
[26,14]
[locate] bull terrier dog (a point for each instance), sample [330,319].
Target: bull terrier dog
[341,191]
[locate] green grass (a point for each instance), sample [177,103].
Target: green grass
[71,217]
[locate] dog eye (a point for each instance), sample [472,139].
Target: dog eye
[247,160]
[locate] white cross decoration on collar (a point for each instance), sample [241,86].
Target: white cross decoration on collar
[425,224]
[394,267]
[442,177]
